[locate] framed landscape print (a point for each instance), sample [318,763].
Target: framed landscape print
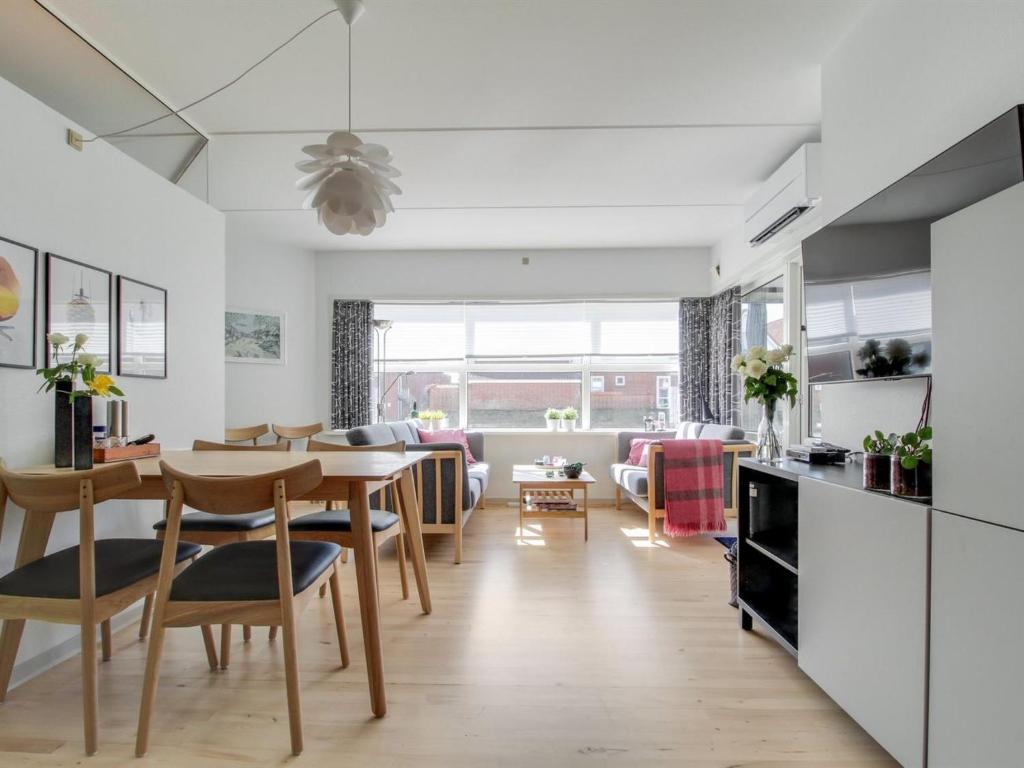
[18,271]
[252,336]
[141,329]
[78,301]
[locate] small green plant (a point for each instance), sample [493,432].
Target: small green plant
[879,443]
[432,415]
[552,414]
[570,414]
[913,448]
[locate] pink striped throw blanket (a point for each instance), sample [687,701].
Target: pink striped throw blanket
[694,500]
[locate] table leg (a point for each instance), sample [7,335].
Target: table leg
[35,532]
[520,495]
[369,604]
[586,516]
[412,517]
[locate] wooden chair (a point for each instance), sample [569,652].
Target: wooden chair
[287,435]
[336,524]
[85,584]
[215,530]
[248,582]
[245,434]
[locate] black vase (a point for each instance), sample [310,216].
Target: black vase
[83,432]
[62,439]
[914,483]
[877,471]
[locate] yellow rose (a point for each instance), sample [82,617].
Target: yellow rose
[101,385]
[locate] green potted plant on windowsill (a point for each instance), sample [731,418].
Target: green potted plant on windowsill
[553,417]
[433,420]
[912,464]
[878,449]
[569,417]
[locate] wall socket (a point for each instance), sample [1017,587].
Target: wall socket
[526,261]
[75,139]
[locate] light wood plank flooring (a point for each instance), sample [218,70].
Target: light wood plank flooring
[548,653]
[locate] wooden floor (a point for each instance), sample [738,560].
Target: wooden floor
[547,653]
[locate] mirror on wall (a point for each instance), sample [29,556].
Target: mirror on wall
[762,323]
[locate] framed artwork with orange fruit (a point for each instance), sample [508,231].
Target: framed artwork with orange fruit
[19,267]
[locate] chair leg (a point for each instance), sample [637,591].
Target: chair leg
[246,633]
[90,697]
[323,591]
[400,545]
[156,649]
[147,616]
[105,639]
[339,617]
[344,554]
[618,496]
[225,645]
[291,674]
[211,647]
[652,526]
[273,633]
[458,538]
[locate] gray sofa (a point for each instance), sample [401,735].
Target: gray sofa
[635,482]
[437,480]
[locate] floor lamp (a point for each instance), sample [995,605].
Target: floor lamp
[381,328]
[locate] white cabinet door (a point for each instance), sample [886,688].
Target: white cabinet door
[977,645]
[977,277]
[863,603]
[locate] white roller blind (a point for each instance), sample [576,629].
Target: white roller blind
[424,331]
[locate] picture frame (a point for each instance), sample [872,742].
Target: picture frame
[79,300]
[141,329]
[254,336]
[19,289]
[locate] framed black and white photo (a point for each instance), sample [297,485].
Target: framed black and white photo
[18,289]
[141,329]
[78,300]
[253,336]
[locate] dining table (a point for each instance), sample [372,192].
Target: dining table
[348,476]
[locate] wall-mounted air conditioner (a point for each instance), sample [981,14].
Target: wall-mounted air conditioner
[790,192]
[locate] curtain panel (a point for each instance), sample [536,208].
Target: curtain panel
[351,364]
[709,337]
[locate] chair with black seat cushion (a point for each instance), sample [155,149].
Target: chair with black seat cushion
[250,582]
[336,524]
[288,435]
[246,434]
[216,530]
[85,584]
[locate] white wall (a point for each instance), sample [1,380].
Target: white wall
[273,277]
[103,208]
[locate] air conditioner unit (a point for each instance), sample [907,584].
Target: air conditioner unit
[790,192]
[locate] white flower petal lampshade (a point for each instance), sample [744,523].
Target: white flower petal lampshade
[349,183]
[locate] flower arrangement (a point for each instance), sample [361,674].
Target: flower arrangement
[570,414]
[764,379]
[79,366]
[433,415]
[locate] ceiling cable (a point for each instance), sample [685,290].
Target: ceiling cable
[176,112]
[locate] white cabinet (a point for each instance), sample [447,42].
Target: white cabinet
[977,645]
[977,277]
[863,609]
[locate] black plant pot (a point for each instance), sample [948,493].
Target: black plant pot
[83,432]
[62,430]
[913,483]
[876,471]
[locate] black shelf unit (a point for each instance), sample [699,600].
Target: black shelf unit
[769,564]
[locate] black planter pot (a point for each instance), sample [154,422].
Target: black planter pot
[913,483]
[83,432]
[877,471]
[62,430]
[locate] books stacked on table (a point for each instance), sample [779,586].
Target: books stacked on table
[555,505]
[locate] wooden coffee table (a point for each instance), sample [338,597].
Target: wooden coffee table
[535,487]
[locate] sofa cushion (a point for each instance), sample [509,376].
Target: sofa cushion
[721,432]
[481,472]
[626,438]
[639,448]
[448,436]
[404,431]
[689,430]
[632,478]
[371,434]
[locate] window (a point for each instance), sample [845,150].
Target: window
[502,364]
[761,324]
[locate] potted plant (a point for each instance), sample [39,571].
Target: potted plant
[912,464]
[765,381]
[434,420]
[553,416]
[569,417]
[878,449]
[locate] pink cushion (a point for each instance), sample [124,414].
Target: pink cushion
[448,436]
[638,450]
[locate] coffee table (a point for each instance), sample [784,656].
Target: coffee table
[536,488]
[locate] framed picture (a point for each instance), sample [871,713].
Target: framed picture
[78,300]
[253,336]
[141,329]
[18,289]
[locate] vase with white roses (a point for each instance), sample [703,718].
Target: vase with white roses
[767,382]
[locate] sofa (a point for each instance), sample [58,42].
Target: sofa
[441,480]
[635,482]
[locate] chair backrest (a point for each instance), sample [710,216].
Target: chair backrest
[206,445]
[287,434]
[62,492]
[239,495]
[320,445]
[242,434]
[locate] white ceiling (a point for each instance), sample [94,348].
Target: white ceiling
[644,123]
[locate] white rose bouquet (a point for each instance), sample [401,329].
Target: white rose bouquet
[764,379]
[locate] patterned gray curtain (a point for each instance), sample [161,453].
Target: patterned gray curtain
[709,337]
[351,364]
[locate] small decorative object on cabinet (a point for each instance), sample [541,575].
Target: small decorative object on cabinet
[765,381]
[912,465]
[878,450]
[553,417]
[17,304]
[569,417]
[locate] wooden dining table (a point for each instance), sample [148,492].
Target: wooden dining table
[347,477]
